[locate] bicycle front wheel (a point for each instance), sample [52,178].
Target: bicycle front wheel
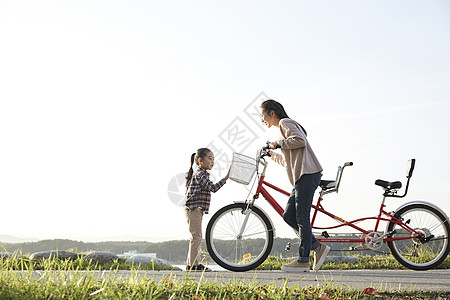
[239,252]
[427,250]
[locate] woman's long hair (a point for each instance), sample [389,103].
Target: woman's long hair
[272,105]
[201,153]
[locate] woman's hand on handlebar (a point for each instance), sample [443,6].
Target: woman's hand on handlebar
[270,145]
[273,145]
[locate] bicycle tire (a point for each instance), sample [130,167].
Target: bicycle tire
[420,254]
[239,254]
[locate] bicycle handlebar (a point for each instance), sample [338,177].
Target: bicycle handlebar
[266,150]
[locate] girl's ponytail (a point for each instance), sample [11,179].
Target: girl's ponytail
[191,170]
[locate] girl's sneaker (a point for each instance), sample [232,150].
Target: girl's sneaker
[296,267]
[199,267]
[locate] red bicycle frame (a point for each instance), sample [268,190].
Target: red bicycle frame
[319,208]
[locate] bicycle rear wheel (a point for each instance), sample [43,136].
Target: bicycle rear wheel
[426,251]
[239,253]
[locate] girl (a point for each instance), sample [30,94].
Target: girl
[304,172]
[198,195]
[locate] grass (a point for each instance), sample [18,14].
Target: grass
[21,278]
[65,284]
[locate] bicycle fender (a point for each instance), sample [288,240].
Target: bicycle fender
[420,202]
[262,210]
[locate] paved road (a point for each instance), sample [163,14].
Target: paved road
[392,280]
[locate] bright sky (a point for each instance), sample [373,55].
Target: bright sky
[103,102]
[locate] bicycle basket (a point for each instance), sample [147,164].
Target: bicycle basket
[242,168]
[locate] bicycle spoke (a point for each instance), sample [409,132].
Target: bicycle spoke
[239,252]
[256,233]
[428,245]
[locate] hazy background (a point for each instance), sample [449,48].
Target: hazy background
[103,102]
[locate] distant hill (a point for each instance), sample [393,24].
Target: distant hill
[28,248]
[13,239]
[172,251]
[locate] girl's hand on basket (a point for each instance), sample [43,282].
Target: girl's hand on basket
[228,174]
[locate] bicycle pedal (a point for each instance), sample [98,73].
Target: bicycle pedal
[357,248]
[288,246]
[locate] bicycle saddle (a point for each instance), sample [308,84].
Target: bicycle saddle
[327,184]
[388,185]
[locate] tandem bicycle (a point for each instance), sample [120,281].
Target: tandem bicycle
[240,236]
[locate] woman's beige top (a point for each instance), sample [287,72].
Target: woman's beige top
[297,155]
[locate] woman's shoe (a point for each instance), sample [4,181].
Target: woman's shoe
[320,255]
[296,267]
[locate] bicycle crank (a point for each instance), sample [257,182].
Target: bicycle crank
[374,240]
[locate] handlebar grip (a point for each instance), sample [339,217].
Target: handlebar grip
[348,164]
[268,148]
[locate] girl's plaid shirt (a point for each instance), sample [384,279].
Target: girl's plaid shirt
[198,192]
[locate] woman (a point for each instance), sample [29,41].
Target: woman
[304,172]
